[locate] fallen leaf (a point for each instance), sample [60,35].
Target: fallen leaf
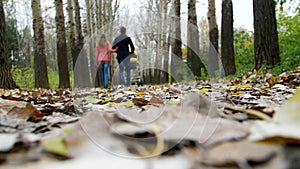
[235,153]
[155,100]
[19,109]
[56,146]
[290,111]
[140,102]
[246,86]
[174,101]
[177,123]
[91,99]
[202,104]
[204,90]
[139,94]
[286,122]
[127,104]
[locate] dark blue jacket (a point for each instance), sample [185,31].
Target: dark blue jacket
[123,42]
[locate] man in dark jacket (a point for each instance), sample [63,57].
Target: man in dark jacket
[122,43]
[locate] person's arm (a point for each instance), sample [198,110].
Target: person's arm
[111,49]
[131,45]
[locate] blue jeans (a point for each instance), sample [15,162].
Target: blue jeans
[124,64]
[103,66]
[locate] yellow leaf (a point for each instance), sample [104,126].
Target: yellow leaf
[203,90]
[112,103]
[152,88]
[231,88]
[56,146]
[140,93]
[255,72]
[246,86]
[174,101]
[127,104]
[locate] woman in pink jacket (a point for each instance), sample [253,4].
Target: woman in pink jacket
[103,50]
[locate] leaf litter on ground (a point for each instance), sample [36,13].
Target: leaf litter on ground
[173,117]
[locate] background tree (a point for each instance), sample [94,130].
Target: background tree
[81,72]
[177,51]
[213,61]
[62,60]
[72,33]
[40,65]
[6,80]
[227,46]
[266,48]
[193,50]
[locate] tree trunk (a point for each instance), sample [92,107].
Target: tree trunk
[6,80]
[266,48]
[193,51]
[72,35]
[213,61]
[92,43]
[40,65]
[81,73]
[227,52]
[177,51]
[62,60]
[158,58]
[165,74]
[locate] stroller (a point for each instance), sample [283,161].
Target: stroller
[135,71]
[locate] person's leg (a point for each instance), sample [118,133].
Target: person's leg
[101,72]
[121,72]
[127,68]
[105,69]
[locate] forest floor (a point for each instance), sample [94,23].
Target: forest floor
[249,122]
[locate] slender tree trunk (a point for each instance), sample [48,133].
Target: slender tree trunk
[100,17]
[266,48]
[40,65]
[177,51]
[92,43]
[165,44]
[6,80]
[72,35]
[213,61]
[81,73]
[62,60]
[227,46]
[158,58]
[193,50]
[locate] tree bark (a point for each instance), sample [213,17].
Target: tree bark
[158,58]
[72,39]
[40,65]
[81,73]
[227,46]
[62,60]
[177,51]
[213,61]
[193,48]
[6,80]
[266,48]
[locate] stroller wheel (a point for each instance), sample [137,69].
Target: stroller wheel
[140,82]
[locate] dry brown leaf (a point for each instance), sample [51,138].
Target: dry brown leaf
[18,109]
[178,123]
[237,153]
[140,102]
[156,100]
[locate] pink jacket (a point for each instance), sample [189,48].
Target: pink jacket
[102,53]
